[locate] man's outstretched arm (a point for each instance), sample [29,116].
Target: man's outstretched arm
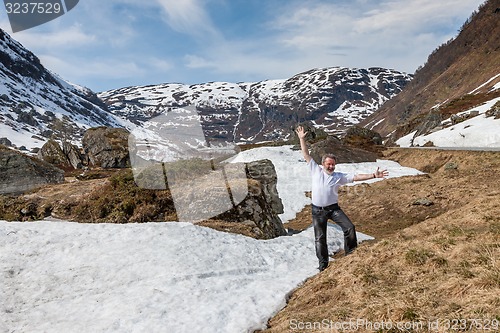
[377,174]
[303,146]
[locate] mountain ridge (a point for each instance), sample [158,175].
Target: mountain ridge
[37,105]
[332,98]
[468,64]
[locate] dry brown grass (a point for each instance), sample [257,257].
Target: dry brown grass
[231,227]
[439,262]
[114,198]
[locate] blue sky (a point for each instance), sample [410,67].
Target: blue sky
[107,44]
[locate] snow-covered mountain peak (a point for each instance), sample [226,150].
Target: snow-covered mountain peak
[331,98]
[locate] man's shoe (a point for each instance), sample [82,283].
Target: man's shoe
[322,267]
[339,254]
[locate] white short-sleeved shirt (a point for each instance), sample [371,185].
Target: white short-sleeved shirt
[325,187]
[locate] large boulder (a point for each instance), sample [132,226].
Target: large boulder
[5,142]
[261,206]
[361,136]
[20,173]
[73,154]
[52,153]
[247,199]
[313,134]
[264,172]
[107,147]
[344,153]
[67,157]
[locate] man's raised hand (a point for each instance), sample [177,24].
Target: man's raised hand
[303,146]
[300,132]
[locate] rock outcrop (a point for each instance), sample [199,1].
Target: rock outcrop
[494,111]
[73,154]
[19,173]
[344,153]
[263,204]
[244,194]
[107,147]
[360,136]
[5,142]
[51,152]
[67,157]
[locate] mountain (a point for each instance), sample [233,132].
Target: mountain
[457,80]
[460,75]
[331,98]
[36,104]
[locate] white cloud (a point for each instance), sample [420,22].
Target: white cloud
[131,39]
[322,25]
[107,68]
[188,16]
[364,33]
[194,61]
[410,16]
[161,65]
[61,38]
[245,61]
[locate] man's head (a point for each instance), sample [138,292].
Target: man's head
[328,162]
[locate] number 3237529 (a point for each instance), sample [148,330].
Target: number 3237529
[33,8]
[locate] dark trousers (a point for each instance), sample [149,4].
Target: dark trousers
[320,216]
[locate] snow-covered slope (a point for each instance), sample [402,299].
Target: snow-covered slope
[36,104]
[478,127]
[332,98]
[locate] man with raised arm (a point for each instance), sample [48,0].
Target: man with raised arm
[325,185]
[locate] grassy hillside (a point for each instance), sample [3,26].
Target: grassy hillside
[451,72]
[436,254]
